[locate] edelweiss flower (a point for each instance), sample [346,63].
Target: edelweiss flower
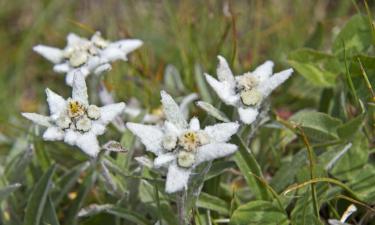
[74,120]
[86,56]
[180,146]
[246,92]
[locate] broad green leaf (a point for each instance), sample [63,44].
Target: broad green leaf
[354,159]
[317,67]
[355,35]
[347,130]
[258,212]
[38,198]
[363,183]
[219,167]
[8,190]
[211,110]
[128,215]
[317,126]
[214,203]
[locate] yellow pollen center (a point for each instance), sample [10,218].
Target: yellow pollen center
[75,109]
[189,141]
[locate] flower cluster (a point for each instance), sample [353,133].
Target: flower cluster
[246,92]
[180,146]
[74,120]
[87,56]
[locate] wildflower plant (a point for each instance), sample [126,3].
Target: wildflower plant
[180,146]
[86,56]
[302,160]
[74,120]
[246,92]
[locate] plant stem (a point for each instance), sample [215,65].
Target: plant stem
[180,200]
[312,166]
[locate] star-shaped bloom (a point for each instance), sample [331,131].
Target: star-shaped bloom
[87,56]
[74,120]
[246,92]
[180,146]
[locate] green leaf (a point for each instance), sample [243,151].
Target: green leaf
[49,215]
[128,215]
[172,80]
[8,190]
[214,203]
[219,167]
[38,198]
[211,110]
[347,130]
[86,186]
[354,159]
[355,35]
[258,212]
[317,126]
[321,69]
[248,165]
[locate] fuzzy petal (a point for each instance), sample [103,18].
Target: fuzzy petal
[222,132]
[194,124]
[177,178]
[53,134]
[102,68]
[109,112]
[248,115]
[79,91]
[264,71]
[172,111]
[89,144]
[112,53]
[56,103]
[224,90]
[73,39]
[70,75]
[224,73]
[151,136]
[62,68]
[164,160]
[213,151]
[97,128]
[170,128]
[52,54]
[38,119]
[71,137]
[267,86]
[128,45]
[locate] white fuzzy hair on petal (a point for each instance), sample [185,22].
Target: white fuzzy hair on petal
[128,45]
[267,86]
[194,124]
[224,73]
[56,103]
[79,88]
[177,178]
[109,112]
[62,67]
[89,144]
[71,137]
[222,132]
[38,119]
[53,134]
[264,71]
[248,115]
[213,151]
[224,90]
[164,159]
[52,54]
[151,136]
[172,110]
[97,128]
